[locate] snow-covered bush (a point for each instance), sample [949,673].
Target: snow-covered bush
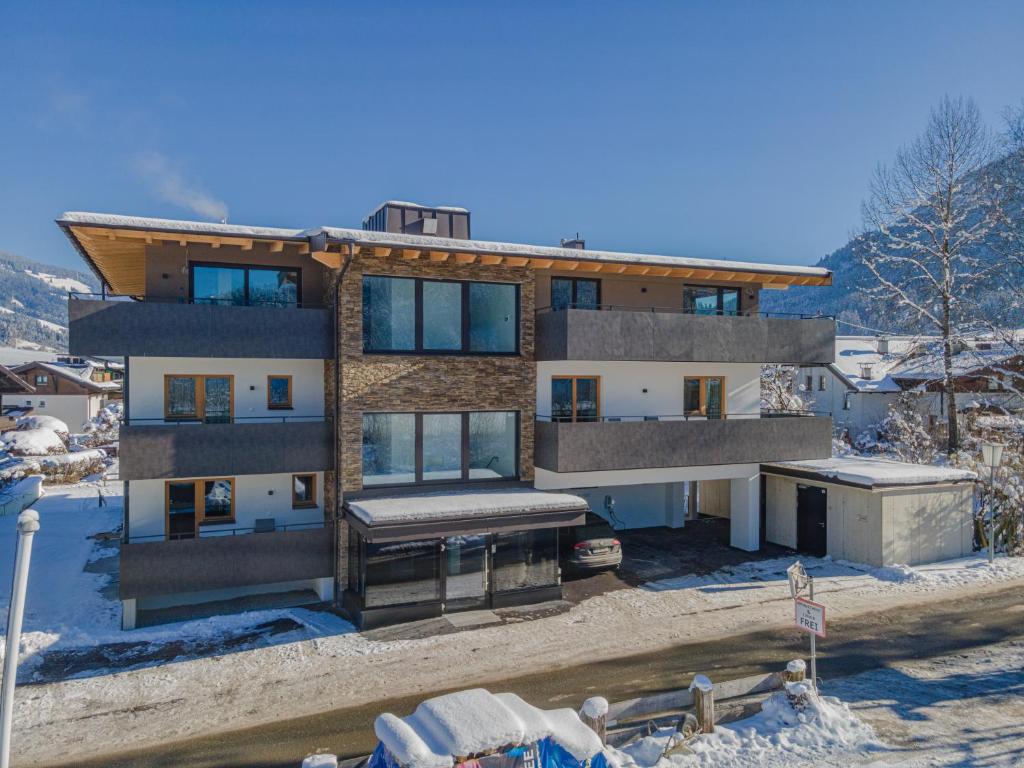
[72,467]
[1005,496]
[900,435]
[33,442]
[40,421]
[102,428]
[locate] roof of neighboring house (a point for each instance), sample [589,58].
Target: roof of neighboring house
[114,247]
[870,472]
[79,374]
[11,383]
[908,360]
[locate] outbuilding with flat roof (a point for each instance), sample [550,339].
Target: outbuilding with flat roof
[870,510]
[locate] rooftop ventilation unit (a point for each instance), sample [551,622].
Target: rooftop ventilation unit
[577,242]
[416,219]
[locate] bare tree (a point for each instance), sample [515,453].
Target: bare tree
[927,216]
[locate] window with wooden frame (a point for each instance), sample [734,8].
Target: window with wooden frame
[704,396]
[189,504]
[197,397]
[303,491]
[42,379]
[279,392]
[575,398]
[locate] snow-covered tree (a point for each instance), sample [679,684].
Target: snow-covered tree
[781,390]
[926,217]
[901,434]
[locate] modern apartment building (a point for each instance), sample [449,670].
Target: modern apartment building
[399,418]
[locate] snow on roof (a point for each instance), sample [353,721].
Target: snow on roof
[929,366]
[458,505]
[872,472]
[475,721]
[400,240]
[82,374]
[427,242]
[417,206]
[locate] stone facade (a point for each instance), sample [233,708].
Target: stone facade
[431,382]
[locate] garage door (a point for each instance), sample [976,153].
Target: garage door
[811,533]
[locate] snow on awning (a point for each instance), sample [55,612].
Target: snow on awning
[476,721]
[415,515]
[869,472]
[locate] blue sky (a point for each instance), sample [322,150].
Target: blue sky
[723,130]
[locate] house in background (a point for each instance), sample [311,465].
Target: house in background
[11,384]
[73,390]
[399,419]
[870,372]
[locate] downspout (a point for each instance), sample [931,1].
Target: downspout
[337,417]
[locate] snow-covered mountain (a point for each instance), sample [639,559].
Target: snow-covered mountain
[34,302]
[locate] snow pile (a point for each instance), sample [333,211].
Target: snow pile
[594,707]
[40,421]
[475,721]
[795,726]
[32,442]
[320,761]
[461,504]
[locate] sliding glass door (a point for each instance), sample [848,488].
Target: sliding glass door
[465,572]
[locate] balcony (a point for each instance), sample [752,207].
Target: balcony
[662,334]
[655,442]
[151,568]
[123,327]
[153,449]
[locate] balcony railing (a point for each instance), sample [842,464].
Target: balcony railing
[164,327]
[214,530]
[683,311]
[687,440]
[657,333]
[163,449]
[152,568]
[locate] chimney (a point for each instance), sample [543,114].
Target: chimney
[865,371]
[577,242]
[416,219]
[883,345]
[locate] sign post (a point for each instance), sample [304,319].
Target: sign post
[809,615]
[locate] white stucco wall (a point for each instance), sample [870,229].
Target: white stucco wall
[73,410]
[640,506]
[623,384]
[146,383]
[253,500]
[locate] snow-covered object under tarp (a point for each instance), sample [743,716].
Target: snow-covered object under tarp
[495,730]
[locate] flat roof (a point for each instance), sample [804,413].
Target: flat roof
[869,472]
[114,246]
[417,514]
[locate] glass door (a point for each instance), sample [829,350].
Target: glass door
[713,398]
[181,510]
[466,572]
[217,397]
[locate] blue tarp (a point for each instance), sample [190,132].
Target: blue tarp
[544,754]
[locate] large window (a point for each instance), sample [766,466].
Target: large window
[577,292]
[575,398]
[199,398]
[192,503]
[403,448]
[709,300]
[244,285]
[401,572]
[525,559]
[704,396]
[402,314]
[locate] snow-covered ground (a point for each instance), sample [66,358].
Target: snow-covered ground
[965,710]
[322,663]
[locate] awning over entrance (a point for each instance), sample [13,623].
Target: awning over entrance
[452,513]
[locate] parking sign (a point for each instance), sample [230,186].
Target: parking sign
[810,616]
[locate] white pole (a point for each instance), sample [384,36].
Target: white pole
[991,514]
[28,524]
[814,657]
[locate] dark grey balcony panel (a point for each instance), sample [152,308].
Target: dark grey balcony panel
[156,568]
[166,451]
[605,446]
[157,329]
[585,334]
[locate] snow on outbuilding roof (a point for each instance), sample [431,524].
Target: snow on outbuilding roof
[476,721]
[459,505]
[870,472]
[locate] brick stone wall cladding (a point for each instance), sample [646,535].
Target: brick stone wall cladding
[431,382]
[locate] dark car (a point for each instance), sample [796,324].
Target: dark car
[592,546]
